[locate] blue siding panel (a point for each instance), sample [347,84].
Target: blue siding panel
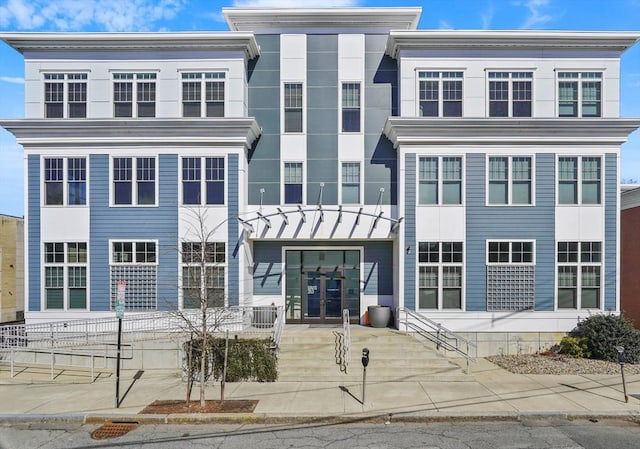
[33,240]
[139,223]
[610,230]
[513,223]
[233,266]
[410,284]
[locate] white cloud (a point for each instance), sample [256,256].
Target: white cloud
[537,15]
[73,15]
[486,17]
[295,3]
[444,25]
[12,79]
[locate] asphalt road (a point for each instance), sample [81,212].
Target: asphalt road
[532,434]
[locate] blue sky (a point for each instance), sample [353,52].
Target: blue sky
[205,15]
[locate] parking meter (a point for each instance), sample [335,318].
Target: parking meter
[365,357]
[621,359]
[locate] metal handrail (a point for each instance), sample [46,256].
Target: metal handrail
[278,328]
[346,342]
[436,333]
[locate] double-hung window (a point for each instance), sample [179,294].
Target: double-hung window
[65,275]
[293,182]
[510,94]
[350,107]
[351,183]
[579,180]
[580,94]
[579,275]
[203,94]
[69,86]
[510,180]
[210,288]
[65,178]
[440,94]
[440,275]
[440,180]
[135,263]
[202,180]
[293,107]
[137,89]
[511,276]
[134,181]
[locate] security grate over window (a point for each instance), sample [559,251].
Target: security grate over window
[141,292]
[511,287]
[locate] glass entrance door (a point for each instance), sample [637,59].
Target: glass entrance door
[323,291]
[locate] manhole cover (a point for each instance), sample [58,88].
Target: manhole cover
[113,430]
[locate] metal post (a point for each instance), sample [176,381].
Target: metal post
[621,360]
[364,382]
[118,363]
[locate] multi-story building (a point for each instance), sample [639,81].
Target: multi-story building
[339,158]
[11,269]
[629,250]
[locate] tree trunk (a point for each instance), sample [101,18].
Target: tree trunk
[203,358]
[224,368]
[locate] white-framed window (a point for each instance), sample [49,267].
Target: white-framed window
[65,95]
[351,107]
[65,275]
[579,275]
[203,94]
[65,181]
[203,180]
[136,263]
[440,267]
[510,94]
[137,89]
[293,178]
[440,180]
[511,275]
[351,183]
[579,94]
[134,181]
[440,94]
[579,180]
[293,107]
[510,180]
[211,257]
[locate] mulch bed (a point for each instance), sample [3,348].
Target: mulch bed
[211,406]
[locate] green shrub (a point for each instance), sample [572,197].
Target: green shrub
[574,346]
[603,333]
[247,359]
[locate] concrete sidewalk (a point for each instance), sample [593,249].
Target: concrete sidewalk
[488,393]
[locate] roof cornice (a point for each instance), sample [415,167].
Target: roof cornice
[308,20]
[409,131]
[72,42]
[617,41]
[157,131]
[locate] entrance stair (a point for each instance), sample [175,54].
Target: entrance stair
[312,354]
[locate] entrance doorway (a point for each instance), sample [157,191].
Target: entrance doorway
[320,284]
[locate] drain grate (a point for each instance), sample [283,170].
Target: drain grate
[113,430]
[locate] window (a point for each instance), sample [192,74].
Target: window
[579,275]
[511,277]
[579,94]
[351,183]
[293,179]
[293,106]
[138,86]
[440,94]
[440,180]
[510,94]
[579,180]
[350,107]
[195,181]
[510,180]
[135,263]
[65,275]
[73,87]
[134,186]
[212,258]
[194,103]
[440,275]
[55,188]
